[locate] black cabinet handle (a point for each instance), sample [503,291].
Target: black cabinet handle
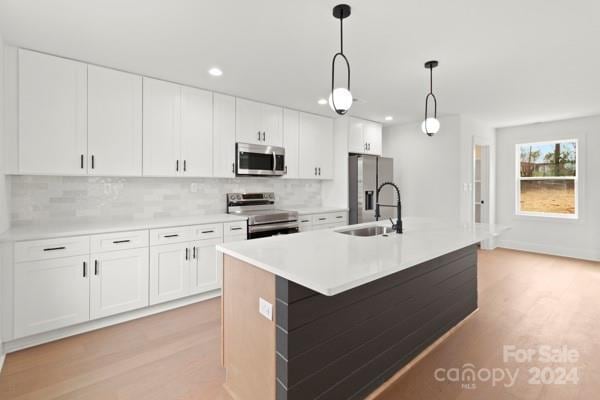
[177,165]
[95,267]
[211,231]
[184,165]
[305,220]
[236,229]
[194,253]
[319,171]
[55,248]
[322,219]
[121,241]
[339,216]
[171,236]
[264,136]
[187,254]
[93,162]
[315,171]
[233,167]
[82,161]
[285,169]
[84,269]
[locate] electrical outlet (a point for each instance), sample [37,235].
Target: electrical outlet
[265,308]
[194,188]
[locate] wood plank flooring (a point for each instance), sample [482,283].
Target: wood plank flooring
[525,300]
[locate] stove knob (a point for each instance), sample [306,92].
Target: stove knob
[271,195]
[232,197]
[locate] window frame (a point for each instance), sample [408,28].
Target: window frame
[519,178]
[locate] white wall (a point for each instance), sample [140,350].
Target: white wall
[435,173]
[4,220]
[335,192]
[574,238]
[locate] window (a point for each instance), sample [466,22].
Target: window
[547,179]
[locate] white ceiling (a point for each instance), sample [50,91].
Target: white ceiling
[506,62]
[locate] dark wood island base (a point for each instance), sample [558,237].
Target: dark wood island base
[338,347]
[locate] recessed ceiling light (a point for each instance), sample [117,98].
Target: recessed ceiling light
[322,102]
[389,118]
[215,71]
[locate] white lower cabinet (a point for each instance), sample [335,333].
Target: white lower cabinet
[119,282]
[169,272]
[51,294]
[204,268]
[322,221]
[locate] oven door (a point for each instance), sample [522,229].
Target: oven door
[261,160]
[266,230]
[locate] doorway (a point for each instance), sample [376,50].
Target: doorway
[481,183]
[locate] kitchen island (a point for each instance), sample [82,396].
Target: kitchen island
[329,315]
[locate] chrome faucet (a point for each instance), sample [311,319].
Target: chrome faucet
[398,225]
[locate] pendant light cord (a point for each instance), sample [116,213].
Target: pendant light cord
[342,35]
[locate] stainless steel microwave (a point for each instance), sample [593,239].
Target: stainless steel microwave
[259,160]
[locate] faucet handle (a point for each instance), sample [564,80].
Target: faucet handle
[393,224]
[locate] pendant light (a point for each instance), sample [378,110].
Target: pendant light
[430,125]
[340,99]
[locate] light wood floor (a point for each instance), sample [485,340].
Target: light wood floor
[525,300]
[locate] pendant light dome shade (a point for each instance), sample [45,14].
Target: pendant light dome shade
[430,125]
[340,99]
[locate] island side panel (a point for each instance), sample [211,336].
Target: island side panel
[346,346]
[248,337]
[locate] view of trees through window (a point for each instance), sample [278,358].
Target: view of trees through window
[547,179]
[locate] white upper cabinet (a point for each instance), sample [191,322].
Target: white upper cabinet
[258,123]
[290,142]
[52,115]
[178,130]
[114,123]
[223,136]
[315,147]
[364,137]
[162,139]
[196,132]
[372,134]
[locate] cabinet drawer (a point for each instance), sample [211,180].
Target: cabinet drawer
[119,241]
[208,231]
[329,218]
[170,235]
[305,221]
[52,248]
[235,228]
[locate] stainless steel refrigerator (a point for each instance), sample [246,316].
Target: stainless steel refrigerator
[366,174]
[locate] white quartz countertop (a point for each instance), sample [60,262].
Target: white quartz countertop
[319,210]
[91,227]
[330,263]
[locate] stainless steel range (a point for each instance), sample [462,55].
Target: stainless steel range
[263,218]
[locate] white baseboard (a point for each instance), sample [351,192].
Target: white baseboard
[584,254]
[2,358]
[41,338]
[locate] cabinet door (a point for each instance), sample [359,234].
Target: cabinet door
[290,142]
[248,121]
[161,128]
[52,115]
[223,136]
[373,137]
[204,271]
[114,123]
[308,146]
[169,272]
[272,125]
[51,294]
[356,144]
[196,132]
[325,147]
[119,282]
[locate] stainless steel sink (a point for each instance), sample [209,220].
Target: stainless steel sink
[368,231]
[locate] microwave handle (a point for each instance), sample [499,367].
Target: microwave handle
[274,162]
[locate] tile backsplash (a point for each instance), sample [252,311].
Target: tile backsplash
[48,199]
